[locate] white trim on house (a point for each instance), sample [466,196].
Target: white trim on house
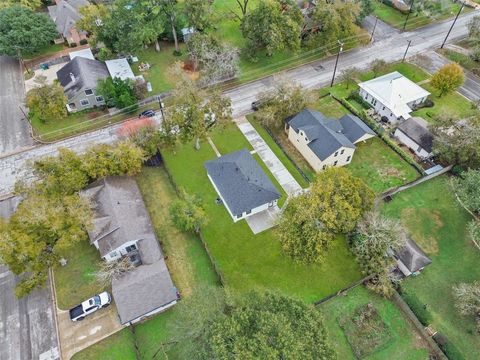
[153,312]
[411,144]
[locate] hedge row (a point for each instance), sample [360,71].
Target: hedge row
[447,347]
[362,114]
[417,307]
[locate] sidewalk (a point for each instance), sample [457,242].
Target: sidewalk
[283,176]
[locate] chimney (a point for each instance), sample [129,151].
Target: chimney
[72,77]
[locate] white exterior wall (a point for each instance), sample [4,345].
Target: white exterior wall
[153,312]
[417,149]
[244,215]
[119,252]
[298,140]
[381,109]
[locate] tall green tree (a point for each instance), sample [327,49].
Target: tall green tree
[286,98]
[272,26]
[31,4]
[467,187]
[41,227]
[334,205]
[448,78]
[199,14]
[93,17]
[117,92]
[24,31]
[195,111]
[188,213]
[266,326]
[46,102]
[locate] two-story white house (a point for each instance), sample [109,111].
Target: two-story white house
[326,142]
[393,96]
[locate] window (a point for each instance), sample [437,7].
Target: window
[419,149]
[113,254]
[99,99]
[249,211]
[239,216]
[72,106]
[84,102]
[131,248]
[341,152]
[335,163]
[306,139]
[336,154]
[324,167]
[391,114]
[88,92]
[383,108]
[348,158]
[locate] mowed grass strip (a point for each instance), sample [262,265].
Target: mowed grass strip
[250,261]
[403,342]
[437,223]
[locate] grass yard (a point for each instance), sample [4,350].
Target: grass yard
[46,50]
[452,104]
[380,167]
[437,223]
[278,151]
[188,264]
[250,261]
[410,71]
[389,334]
[330,107]
[396,18]
[464,60]
[76,282]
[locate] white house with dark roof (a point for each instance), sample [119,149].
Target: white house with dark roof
[122,228]
[241,184]
[326,142]
[393,96]
[415,135]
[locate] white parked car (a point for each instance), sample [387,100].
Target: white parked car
[90,306]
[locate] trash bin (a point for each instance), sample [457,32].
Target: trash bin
[44,66]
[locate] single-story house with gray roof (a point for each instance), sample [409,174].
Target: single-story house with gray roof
[65,14]
[415,135]
[324,141]
[241,184]
[411,258]
[122,228]
[79,78]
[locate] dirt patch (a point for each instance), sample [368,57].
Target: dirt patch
[391,172]
[423,225]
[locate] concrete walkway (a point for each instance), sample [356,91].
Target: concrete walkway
[279,171]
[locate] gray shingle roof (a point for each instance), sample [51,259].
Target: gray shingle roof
[412,256]
[326,135]
[241,181]
[142,290]
[86,73]
[417,130]
[66,14]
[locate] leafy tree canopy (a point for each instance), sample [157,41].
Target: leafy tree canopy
[448,78]
[117,92]
[188,213]
[47,102]
[24,31]
[31,4]
[274,25]
[468,300]
[199,14]
[467,188]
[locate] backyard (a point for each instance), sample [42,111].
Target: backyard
[389,335]
[249,261]
[188,264]
[437,223]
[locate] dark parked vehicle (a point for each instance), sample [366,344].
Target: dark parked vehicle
[256,105]
[147,113]
[89,306]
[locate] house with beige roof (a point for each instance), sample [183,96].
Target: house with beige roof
[393,96]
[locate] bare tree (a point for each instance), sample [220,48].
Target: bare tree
[243,5]
[468,300]
[349,75]
[112,270]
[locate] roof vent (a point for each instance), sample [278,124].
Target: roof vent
[72,77]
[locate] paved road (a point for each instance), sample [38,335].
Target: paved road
[314,75]
[382,30]
[27,326]
[432,61]
[14,130]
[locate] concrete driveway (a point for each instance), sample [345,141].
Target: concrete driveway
[263,220]
[50,74]
[14,129]
[76,336]
[27,325]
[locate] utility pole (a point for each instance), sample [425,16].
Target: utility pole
[374,27]
[451,27]
[162,106]
[336,61]
[408,46]
[408,15]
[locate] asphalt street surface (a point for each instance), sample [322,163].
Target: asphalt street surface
[14,129]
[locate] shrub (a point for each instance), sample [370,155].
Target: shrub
[72,45]
[83,42]
[417,308]
[447,347]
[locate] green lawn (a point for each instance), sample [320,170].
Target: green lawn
[464,60]
[380,167]
[437,223]
[403,343]
[330,107]
[396,18]
[76,282]
[46,50]
[278,151]
[452,104]
[188,264]
[410,71]
[250,261]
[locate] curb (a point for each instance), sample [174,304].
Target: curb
[54,301]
